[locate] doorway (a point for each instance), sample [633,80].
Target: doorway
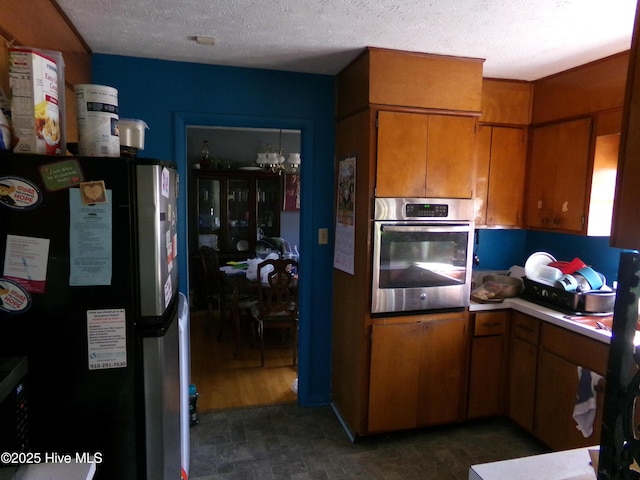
[222,380]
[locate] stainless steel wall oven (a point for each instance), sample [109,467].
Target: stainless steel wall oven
[422,254]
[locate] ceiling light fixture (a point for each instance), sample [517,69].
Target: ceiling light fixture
[275,162]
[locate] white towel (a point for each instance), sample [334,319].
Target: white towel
[584,411]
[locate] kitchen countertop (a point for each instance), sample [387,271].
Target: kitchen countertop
[548,315]
[565,465]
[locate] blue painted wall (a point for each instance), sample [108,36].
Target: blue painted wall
[171,95]
[500,249]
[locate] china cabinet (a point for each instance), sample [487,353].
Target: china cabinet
[234,209]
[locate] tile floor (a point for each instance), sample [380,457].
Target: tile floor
[292,442]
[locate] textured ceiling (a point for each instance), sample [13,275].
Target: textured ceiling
[519,39]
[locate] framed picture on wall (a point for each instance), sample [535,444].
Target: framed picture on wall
[291,192]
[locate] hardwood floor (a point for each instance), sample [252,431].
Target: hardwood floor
[226,383]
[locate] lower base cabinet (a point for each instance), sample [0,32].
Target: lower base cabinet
[523,368]
[522,382]
[418,371]
[561,353]
[487,367]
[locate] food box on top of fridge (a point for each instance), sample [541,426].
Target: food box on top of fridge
[36,78]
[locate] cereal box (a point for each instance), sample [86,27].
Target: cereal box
[37,100]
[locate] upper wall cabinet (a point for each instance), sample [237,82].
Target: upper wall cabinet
[422,155]
[501,166]
[42,25]
[407,79]
[501,153]
[576,117]
[558,175]
[572,175]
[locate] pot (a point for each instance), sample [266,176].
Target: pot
[596,302]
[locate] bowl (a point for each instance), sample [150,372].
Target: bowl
[535,261]
[511,286]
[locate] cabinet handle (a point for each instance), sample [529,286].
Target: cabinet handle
[491,324]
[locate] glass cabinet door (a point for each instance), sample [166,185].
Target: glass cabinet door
[238,237]
[268,207]
[209,212]
[235,210]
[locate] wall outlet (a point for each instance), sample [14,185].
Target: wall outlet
[323,236]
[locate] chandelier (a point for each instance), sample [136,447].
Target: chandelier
[275,162]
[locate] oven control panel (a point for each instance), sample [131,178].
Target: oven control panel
[427,210]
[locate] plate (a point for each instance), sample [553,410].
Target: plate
[242,246]
[250,168]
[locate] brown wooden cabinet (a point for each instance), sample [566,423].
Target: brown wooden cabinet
[561,352]
[557,177]
[425,155]
[488,364]
[572,174]
[418,371]
[523,361]
[500,176]
[438,98]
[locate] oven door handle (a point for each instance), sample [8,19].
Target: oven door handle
[448,228]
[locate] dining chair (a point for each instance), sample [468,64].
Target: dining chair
[277,305]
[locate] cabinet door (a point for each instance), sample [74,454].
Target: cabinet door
[451,145]
[505,196]
[402,154]
[558,175]
[555,399]
[522,382]
[442,375]
[237,201]
[268,206]
[393,387]
[418,373]
[483,163]
[486,384]
[208,209]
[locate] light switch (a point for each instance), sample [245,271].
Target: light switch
[323,236]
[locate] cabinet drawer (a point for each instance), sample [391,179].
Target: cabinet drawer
[577,349]
[490,323]
[526,328]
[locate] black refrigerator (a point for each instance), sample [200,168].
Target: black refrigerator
[89,294]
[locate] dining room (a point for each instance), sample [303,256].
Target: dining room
[243,212]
